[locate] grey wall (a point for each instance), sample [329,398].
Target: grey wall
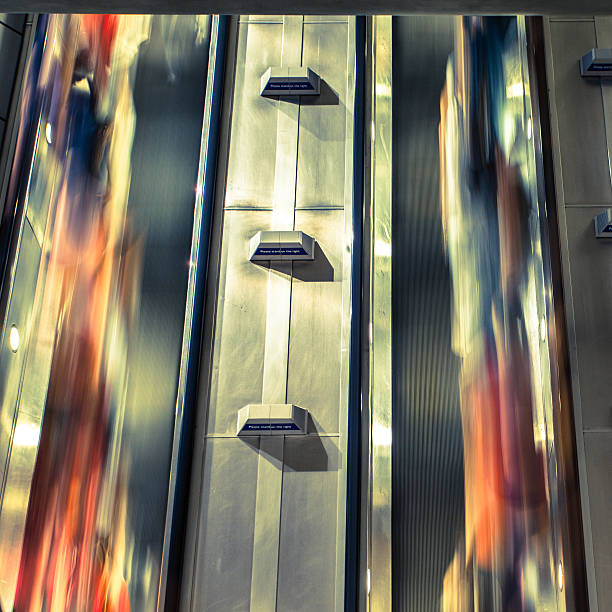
[581,116]
[268,512]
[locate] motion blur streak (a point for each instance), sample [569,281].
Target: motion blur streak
[77,548]
[489,217]
[73,547]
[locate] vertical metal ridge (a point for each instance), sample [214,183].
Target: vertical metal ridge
[351,582]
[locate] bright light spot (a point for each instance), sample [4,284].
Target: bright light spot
[381,435]
[560,575]
[49,133]
[373,129]
[540,433]
[515,90]
[26,434]
[542,329]
[529,129]
[14,338]
[370,332]
[383,90]
[369,573]
[382,248]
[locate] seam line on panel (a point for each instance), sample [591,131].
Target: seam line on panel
[571,19]
[297,153]
[599,205]
[280,523]
[333,434]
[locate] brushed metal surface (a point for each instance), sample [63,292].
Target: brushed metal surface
[281,329]
[582,136]
[227,526]
[380,392]
[251,167]
[307,555]
[283,217]
[276,349]
[240,329]
[316,322]
[266,537]
[321,163]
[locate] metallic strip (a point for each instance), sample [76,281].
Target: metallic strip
[266,540]
[266,532]
[569,539]
[276,352]
[189,366]
[348,301]
[570,325]
[379,563]
[353,434]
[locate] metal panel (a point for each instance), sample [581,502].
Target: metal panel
[237,376]
[584,161]
[322,136]
[307,557]
[226,532]
[10,46]
[261,19]
[590,263]
[379,564]
[598,446]
[316,322]
[254,121]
